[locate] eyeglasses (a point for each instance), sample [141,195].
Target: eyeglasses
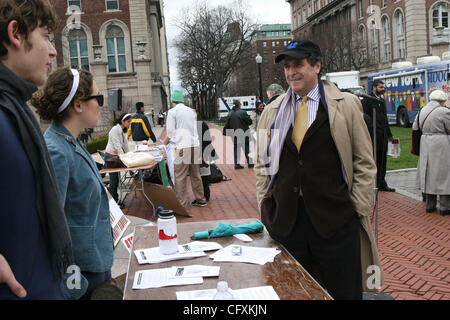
[98,97]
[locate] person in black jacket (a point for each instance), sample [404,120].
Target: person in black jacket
[383,132]
[140,128]
[239,121]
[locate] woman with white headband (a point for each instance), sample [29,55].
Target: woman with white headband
[117,145]
[71,100]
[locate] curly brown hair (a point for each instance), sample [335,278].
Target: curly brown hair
[29,14]
[56,89]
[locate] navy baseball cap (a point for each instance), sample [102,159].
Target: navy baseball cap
[300,49]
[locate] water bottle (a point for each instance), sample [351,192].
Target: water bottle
[167,232]
[222,292]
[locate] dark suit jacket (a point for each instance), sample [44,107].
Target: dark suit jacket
[317,170]
[383,130]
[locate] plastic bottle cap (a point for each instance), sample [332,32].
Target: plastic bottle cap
[222,286]
[165,214]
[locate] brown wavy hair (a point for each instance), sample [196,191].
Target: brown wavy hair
[56,89]
[29,14]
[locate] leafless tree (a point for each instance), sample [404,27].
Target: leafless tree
[210,46]
[343,49]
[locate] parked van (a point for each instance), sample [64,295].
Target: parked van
[248,104]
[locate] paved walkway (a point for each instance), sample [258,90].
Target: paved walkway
[414,245]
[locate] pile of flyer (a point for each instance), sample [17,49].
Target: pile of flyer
[190,250]
[175,276]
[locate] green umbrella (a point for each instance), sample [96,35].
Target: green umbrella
[226,229]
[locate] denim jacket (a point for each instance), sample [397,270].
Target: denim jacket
[84,199]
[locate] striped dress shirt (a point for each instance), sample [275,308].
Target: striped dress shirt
[312,103]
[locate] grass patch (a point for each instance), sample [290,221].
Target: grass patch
[97,144]
[406,159]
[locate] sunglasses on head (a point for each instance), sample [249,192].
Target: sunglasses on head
[98,97]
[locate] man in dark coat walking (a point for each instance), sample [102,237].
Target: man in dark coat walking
[239,121]
[383,132]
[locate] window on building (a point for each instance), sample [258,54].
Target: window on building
[78,49]
[400,34]
[383,4]
[361,10]
[399,23]
[401,48]
[115,47]
[374,40]
[112,4]
[264,44]
[386,39]
[362,33]
[440,16]
[72,5]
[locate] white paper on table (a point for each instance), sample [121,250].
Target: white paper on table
[255,293]
[243,237]
[157,278]
[199,246]
[249,254]
[153,255]
[141,147]
[193,271]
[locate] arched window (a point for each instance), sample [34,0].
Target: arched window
[440,16]
[115,48]
[362,33]
[386,38]
[400,34]
[374,40]
[78,49]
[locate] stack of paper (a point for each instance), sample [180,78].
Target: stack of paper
[256,293]
[190,250]
[248,254]
[174,276]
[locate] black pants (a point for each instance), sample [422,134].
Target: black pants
[206,191]
[335,262]
[382,145]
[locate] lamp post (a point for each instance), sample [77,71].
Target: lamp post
[258,62]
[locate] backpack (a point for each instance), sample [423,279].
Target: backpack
[216,174]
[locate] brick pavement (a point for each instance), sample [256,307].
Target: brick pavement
[414,245]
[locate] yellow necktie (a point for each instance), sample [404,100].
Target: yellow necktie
[301,123]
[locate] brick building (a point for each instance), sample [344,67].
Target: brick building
[269,41]
[123,43]
[381,31]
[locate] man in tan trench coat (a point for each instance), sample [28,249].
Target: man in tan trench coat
[315,173]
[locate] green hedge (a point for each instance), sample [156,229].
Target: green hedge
[97,144]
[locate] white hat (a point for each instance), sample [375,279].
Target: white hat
[438,95]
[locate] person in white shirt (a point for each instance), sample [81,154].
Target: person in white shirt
[117,145]
[182,130]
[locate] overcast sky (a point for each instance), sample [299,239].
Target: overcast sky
[261,11]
